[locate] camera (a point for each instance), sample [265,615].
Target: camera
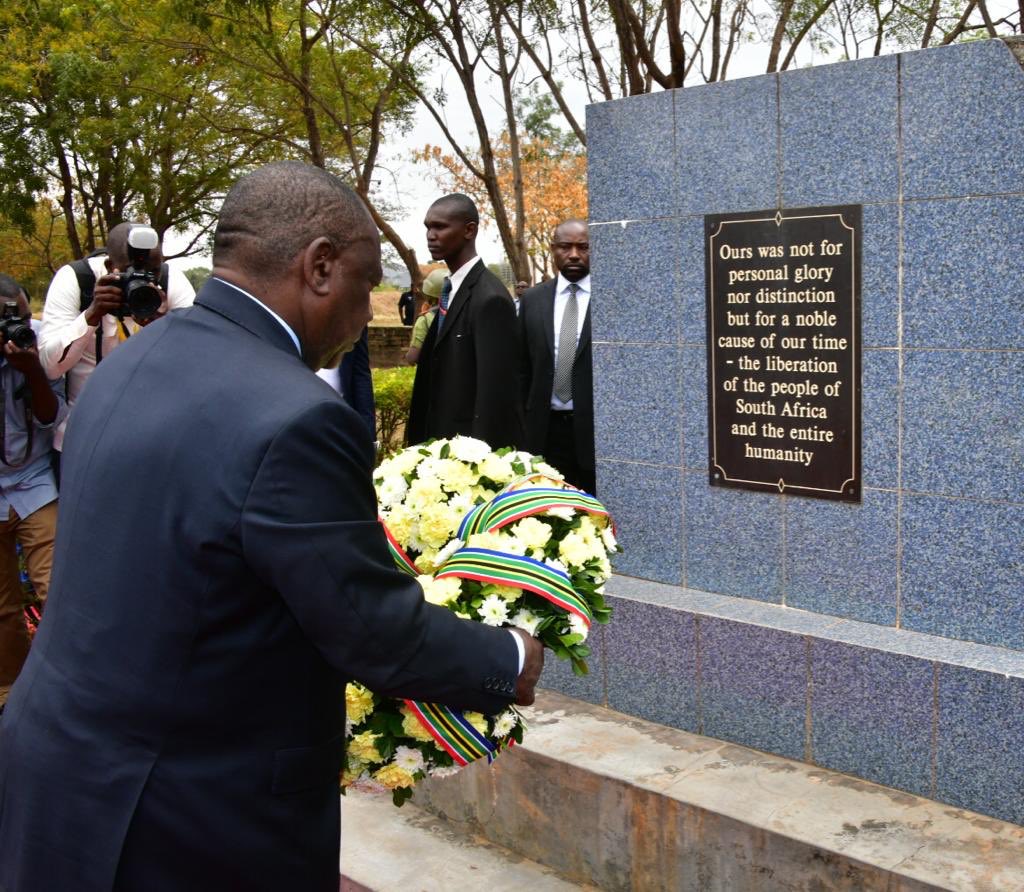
[138,284]
[13,326]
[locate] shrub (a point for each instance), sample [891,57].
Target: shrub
[392,394]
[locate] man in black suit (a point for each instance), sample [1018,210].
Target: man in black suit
[465,378]
[351,378]
[557,381]
[219,575]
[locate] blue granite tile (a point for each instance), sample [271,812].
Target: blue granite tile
[963,423]
[695,408]
[637,403]
[871,715]
[962,108]
[841,557]
[645,502]
[558,674]
[651,660]
[880,418]
[963,264]
[721,166]
[636,282]
[633,589]
[733,540]
[963,569]
[630,161]
[690,251]
[981,725]
[769,616]
[753,686]
[880,275]
[839,133]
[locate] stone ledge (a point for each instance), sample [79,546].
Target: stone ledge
[607,799]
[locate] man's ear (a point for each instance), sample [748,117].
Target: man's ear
[471,228]
[318,261]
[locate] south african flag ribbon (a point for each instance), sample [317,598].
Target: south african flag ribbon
[512,505]
[398,555]
[453,733]
[517,571]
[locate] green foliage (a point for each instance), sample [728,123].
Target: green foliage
[392,394]
[197,276]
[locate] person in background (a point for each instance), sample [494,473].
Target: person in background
[32,407]
[349,374]
[432,286]
[557,379]
[521,288]
[471,352]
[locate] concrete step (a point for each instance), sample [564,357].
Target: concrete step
[407,849]
[620,803]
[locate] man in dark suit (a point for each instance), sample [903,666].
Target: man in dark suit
[219,575]
[557,381]
[465,378]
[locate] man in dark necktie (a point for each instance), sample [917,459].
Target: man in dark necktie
[557,381]
[465,378]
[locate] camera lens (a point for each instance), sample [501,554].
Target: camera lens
[22,335]
[143,300]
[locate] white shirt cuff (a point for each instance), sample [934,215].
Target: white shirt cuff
[522,651]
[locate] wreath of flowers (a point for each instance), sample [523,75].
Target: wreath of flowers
[498,537]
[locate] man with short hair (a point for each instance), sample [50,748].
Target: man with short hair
[180,722]
[32,407]
[471,351]
[78,331]
[557,379]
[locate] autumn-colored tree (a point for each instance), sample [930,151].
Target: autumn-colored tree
[554,179]
[31,251]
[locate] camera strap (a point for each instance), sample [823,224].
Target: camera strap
[24,393]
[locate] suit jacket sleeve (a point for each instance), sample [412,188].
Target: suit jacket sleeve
[309,530]
[497,413]
[357,382]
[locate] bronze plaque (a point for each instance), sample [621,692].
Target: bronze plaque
[784,352]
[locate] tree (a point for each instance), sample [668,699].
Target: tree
[32,253]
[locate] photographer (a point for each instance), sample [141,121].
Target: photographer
[31,407]
[87,312]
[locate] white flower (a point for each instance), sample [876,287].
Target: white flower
[562,511]
[462,502]
[469,449]
[542,467]
[447,552]
[608,538]
[556,565]
[505,722]
[494,611]
[526,620]
[578,626]
[429,469]
[444,770]
[392,489]
[409,758]
[497,468]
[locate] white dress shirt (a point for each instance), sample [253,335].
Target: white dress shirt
[459,276]
[67,343]
[582,305]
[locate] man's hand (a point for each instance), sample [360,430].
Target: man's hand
[106,298]
[24,360]
[532,666]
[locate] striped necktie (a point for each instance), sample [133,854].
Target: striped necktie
[446,295]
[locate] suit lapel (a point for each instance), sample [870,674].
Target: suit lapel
[549,316]
[584,341]
[460,300]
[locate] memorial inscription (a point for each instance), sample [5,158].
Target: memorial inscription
[784,364]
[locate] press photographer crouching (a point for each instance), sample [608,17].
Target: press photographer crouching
[95,303]
[31,408]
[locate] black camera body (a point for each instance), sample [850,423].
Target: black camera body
[139,284]
[14,328]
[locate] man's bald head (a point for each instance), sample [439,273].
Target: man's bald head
[271,214]
[459,206]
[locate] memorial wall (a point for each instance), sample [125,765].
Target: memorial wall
[809,393]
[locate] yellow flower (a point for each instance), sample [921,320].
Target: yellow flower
[413,727]
[477,720]
[358,703]
[454,475]
[531,532]
[493,541]
[438,524]
[440,591]
[424,492]
[364,747]
[352,773]
[391,776]
[399,522]
[497,468]
[503,591]
[575,550]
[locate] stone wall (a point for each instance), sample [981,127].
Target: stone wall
[884,639]
[388,344]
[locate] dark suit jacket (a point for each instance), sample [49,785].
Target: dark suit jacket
[357,383]
[466,377]
[537,323]
[219,574]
